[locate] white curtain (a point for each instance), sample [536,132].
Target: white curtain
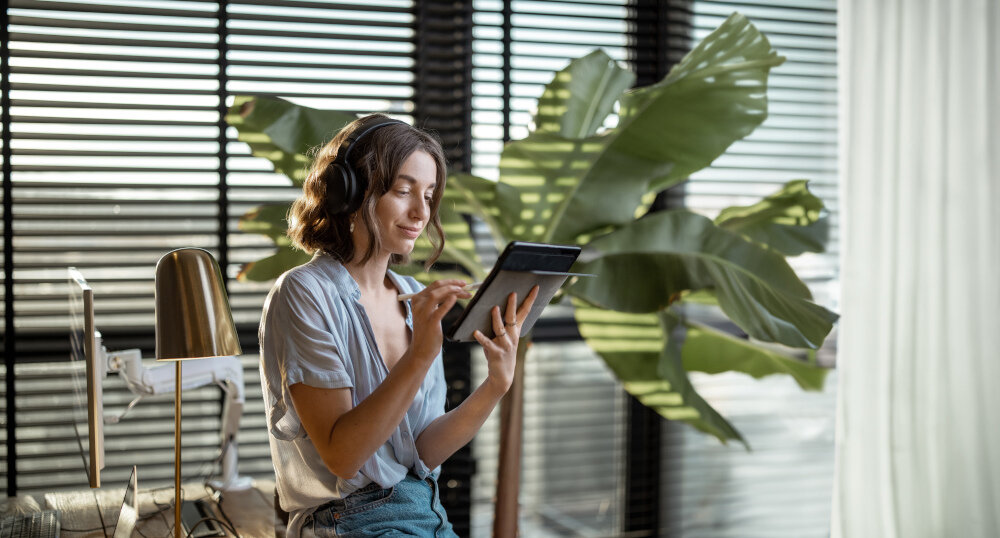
[918,434]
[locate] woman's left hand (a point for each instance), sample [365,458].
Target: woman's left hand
[501,351]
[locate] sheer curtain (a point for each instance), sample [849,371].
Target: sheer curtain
[918,440]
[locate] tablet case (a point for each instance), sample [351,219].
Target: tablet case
[520,267]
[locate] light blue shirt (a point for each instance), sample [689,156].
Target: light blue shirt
[315,331]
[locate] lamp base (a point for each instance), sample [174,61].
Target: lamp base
[240,483]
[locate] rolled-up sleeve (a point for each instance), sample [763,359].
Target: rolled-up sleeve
[298,345]
[305,345]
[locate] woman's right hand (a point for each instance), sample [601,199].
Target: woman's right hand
[429,307]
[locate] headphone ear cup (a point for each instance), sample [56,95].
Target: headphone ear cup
[352,191]
[337,188]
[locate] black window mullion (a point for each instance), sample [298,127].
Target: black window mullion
[660,35]
[9,350]
[223,34]
[505,39]
[443,77]
[442,96]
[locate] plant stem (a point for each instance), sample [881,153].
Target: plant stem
[509,469]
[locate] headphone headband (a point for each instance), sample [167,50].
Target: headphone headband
[345,189]
[359,132]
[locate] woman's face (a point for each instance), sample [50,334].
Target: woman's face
[402,213]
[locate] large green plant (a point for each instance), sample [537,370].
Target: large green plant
[573,182]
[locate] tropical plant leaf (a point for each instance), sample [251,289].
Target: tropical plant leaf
[644,266]
[284,132]
[712,351]
[545,169]
[273,266]
[716,95]
[579,98]
[497,204]
[268,220]
[790,221]
[634,347]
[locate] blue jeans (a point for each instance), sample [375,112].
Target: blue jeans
[410,508]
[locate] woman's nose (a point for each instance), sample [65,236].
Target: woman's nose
[420,210]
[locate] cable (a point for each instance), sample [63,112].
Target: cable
[222,454]
[226,517]
[160,510]
[216,496]
[206,520]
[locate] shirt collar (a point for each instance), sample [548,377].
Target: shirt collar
[403,288]
[341,277]
[344,281]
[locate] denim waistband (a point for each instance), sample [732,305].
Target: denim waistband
[375,487]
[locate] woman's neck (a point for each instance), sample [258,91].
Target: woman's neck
[370,275]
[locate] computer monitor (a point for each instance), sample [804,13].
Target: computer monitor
[85,348]
[95,363]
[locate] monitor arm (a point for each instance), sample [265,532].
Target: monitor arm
[226,372]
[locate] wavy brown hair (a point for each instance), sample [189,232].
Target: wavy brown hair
[378,156]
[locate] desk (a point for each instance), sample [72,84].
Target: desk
[251,511]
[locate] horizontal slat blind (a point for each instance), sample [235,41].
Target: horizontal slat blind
[8,393]
[115,122]
[799,138]
[544,37]
[574,413]
[574,422]
[712,490]
[115,162]
[782,488]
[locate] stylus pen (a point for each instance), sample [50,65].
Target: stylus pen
[468,287]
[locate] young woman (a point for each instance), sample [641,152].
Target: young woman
[353,377]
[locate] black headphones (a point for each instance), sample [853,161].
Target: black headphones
[344,188]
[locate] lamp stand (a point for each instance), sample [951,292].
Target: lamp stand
[178,530]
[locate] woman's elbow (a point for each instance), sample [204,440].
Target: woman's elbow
[343,470]
[344,474]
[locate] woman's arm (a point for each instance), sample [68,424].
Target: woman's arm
[454,429]
[347,436]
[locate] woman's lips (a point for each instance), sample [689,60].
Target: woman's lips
[412,233]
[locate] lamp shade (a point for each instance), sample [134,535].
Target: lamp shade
[193,319]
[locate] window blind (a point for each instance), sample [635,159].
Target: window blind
[799,138]
[573,408]
[114,139]
[120,155]
[712,490]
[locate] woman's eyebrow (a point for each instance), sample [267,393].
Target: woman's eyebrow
[411,179]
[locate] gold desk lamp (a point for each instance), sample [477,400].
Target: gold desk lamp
[193,321]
